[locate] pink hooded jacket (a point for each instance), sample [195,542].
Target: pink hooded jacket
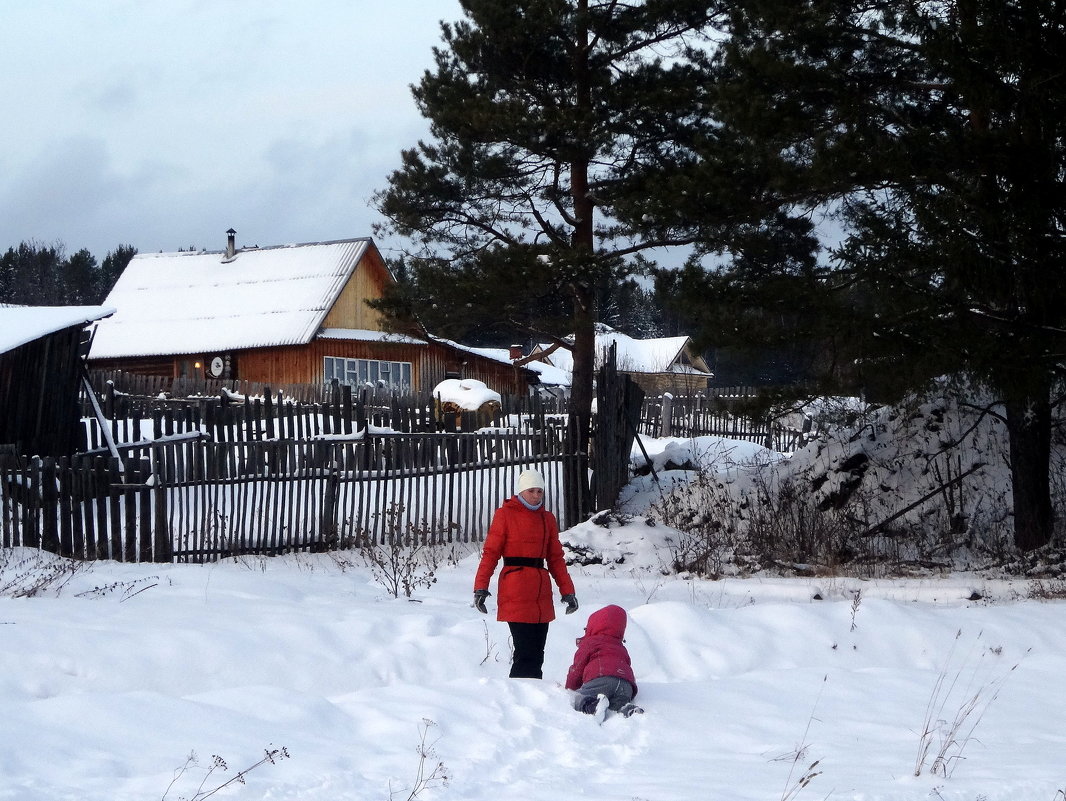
[602,652]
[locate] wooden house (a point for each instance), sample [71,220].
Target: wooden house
[281,315]
[42,351]
[657,365]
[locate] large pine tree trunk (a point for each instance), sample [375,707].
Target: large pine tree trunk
[583,246]
[577,490]
[1029,428]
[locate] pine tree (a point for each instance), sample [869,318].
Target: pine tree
[936,133]
[111,268]
[39,275]
[79,279]
[32,274]
[548,118]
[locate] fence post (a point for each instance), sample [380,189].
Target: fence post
[69,523]
[144,496]
[667,415]
[327,526]
[49,505]
[346,408]
[162,546]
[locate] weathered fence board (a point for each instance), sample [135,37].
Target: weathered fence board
[193,499]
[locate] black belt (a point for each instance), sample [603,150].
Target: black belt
[522,561]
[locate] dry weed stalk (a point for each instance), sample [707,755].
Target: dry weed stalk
[408,558]
[425,778]
[271,755]
[25,573]
[793,786]
[956,733]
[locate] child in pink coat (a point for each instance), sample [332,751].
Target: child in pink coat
[601,675]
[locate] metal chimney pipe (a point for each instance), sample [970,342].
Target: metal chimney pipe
[231,246]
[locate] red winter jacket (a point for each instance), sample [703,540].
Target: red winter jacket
[524,594]
[602,652]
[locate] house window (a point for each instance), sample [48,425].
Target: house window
[368,372]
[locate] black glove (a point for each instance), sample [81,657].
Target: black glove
[571,603]
[479,600]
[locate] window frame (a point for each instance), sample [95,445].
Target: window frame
[358,372]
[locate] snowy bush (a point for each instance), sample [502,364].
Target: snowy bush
[406,558]
[921,485]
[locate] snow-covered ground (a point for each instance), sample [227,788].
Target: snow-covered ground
[167,681]
[759,688]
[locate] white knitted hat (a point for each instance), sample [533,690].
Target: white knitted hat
[530,479]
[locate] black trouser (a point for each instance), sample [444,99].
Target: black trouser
[528,659]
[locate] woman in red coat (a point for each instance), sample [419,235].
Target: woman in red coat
[526,536]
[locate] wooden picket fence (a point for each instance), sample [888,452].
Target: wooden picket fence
[723,412]
[189,498]
[139,407]
[194,477]
[118,384]
[146,407]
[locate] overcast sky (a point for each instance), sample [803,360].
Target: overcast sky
[162,123]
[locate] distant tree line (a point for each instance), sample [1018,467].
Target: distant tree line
[44,275]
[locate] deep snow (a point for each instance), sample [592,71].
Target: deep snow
[166,681]
[111,681]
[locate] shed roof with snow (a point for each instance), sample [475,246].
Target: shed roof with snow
[22,324]
[654,355]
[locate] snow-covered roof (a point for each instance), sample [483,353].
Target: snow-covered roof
[366,335]
[658,355]
[500,355]
[200,301]
[548,374]
[22,324]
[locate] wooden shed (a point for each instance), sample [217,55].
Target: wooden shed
[42,351]
[280,315]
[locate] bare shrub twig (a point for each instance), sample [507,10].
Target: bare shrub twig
[408,557]
[490,646]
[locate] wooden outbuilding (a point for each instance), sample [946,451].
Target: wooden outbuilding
[42,350]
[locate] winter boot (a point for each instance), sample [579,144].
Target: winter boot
[602,705]
[631,709]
